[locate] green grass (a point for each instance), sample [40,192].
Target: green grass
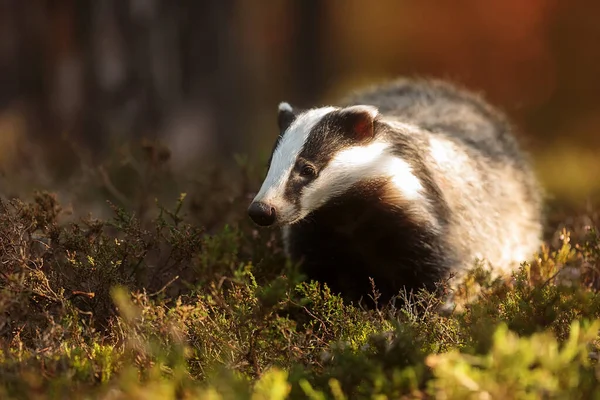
[191,301]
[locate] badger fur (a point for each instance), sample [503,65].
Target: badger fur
[408,183]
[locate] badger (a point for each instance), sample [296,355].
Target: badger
[410,183]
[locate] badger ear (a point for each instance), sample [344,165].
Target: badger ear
[358,121]
[285,116]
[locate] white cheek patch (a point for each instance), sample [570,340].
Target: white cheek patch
[356,164]
[284,158]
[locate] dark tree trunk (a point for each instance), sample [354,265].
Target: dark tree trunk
[308,72]
[138,64]
[212,67]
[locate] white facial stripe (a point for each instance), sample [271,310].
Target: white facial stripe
[355,164]
[285,156]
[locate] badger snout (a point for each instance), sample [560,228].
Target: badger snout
[262,213]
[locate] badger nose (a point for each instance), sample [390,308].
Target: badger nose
[261,213]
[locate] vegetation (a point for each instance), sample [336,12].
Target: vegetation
[191,301]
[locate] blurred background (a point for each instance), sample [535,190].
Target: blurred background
[80,80]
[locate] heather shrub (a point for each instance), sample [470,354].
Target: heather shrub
[183,298]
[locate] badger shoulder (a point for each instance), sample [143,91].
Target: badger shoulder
[477,167]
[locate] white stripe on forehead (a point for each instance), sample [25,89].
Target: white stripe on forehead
[287,151]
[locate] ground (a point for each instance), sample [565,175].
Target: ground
[178,296]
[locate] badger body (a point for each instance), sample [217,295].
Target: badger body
[408,183]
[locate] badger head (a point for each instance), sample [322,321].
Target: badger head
[319,155]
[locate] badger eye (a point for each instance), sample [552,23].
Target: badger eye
[308,171]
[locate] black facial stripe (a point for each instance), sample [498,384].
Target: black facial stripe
[324,141]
